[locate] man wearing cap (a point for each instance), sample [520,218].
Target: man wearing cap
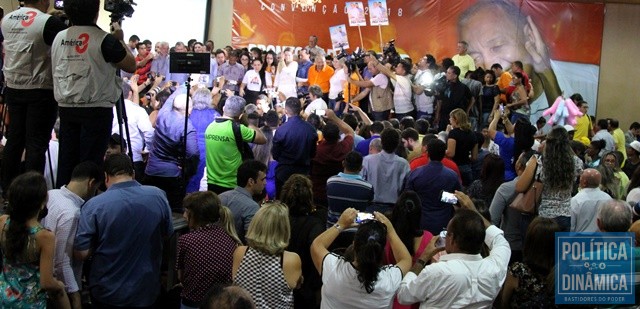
[570,131]
[585,204]
[633,159]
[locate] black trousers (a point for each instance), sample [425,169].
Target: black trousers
[174,187]
[84,136]
[32,114]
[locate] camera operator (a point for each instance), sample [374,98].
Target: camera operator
[402,94]
[380,94]
[423,77]
[85,59]
[317,103]
[29,86]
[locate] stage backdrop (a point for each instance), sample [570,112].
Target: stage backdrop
[559,36]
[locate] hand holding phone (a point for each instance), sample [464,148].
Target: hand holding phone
[449,198]
[440,243]
[364,216]
[320,112]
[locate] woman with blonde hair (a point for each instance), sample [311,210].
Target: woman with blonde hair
[263,267]
[461,144]
[199,264]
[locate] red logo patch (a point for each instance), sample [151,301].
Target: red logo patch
[82,47]
[30,18]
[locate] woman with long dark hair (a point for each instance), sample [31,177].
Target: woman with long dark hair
[461,144]
[518,101]
[306,225]
[511,146]
[28,248]
[255,82]
[526,285]
[360,280]
[405,219]
[491,177]
[557,168]
[489,96]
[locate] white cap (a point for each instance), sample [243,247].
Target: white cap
[569,127]
[635,145]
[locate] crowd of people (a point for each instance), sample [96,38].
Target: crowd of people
[305,181]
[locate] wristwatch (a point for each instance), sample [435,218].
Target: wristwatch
[338,227]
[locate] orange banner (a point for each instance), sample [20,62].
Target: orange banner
[557,30]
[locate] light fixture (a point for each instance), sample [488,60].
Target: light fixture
[305,4]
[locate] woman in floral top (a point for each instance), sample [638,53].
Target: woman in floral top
[527,284]
[27,249]
[558,169]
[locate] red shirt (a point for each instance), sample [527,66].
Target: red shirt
[423,160]
[142,71]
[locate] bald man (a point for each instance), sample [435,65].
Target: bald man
[614,216]
[585,204]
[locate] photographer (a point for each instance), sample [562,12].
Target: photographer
[29,86]
[86,87]
[317,103]
[402,94]
[380,95]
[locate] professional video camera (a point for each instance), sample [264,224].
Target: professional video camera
[390,54]
[353,61]
[119,9]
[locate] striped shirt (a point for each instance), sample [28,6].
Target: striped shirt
[344,191]
[62,220]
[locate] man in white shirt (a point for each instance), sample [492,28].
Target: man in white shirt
[602,134]
[140,128]
[315,93]
[402,105]
[62,219]
[585,204]
[462,278]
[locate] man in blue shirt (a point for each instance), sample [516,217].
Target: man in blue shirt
[302,76]
[348,189]
[124,228]
[294,144]
[429,181]
[375,129]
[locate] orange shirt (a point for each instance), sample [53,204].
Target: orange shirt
[503,82]
[320,78]
[353,92]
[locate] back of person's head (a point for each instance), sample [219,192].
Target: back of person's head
[427,138]
[614,216]
[395,123]
[368,245]
[350,120]
[599,144]
[82,12]
[162,97]
[539,244]
[201,99]
[118,164]
[590,178]
[353,161]
[126,88]
[602,124]
[523,133]
[462,119]
[262,152]
[331,132]
[447,63]
[436,149]
[390,140]
[316,91]
[422,126]
[180,103]
[558,163]
[27,195]
[576,98]
[376,144]
[492,174]
[410,133]
[202,208]
[406,218]
[271,118]
[87,170]
[269,230]
[228,297]
[292,106]
[315,121]
[297,194]
[234,106]
[467,231]
[614,123]
[249,169]
[376,127]
[407,122]
[578,148]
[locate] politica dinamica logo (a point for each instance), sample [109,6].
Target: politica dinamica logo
[594,268]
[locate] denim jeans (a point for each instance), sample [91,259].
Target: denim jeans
[380,116]
[467,174]
[84,136]
[32,114]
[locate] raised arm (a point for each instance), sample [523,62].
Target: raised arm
[323,241]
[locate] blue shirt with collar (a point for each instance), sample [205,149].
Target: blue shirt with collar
[125,227]
[294,143]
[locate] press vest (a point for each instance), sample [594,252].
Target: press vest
[82,77]
[27,60]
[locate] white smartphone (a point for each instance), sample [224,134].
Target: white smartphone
[363,216]
[449,198]
[320,112]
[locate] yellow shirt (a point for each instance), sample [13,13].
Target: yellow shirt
[583,127]
[465,63]
[618,137]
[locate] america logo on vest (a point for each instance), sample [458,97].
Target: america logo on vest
[81,44]
[27,18]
